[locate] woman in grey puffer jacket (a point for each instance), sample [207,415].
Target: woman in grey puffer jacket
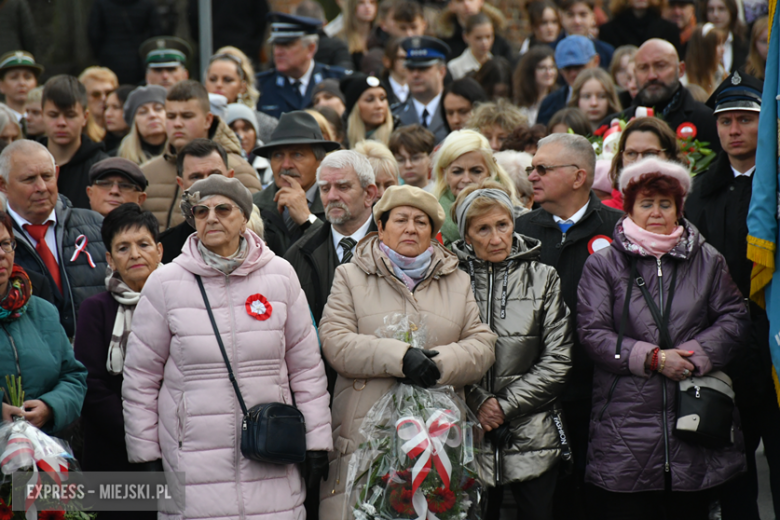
[520,298]
[638,468]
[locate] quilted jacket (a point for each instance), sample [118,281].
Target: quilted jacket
[178,402]
[520,298]
[631,441]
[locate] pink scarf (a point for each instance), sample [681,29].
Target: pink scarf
[652,243]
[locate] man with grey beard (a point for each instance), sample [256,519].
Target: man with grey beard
[292,204]
[658,73]
[347,189]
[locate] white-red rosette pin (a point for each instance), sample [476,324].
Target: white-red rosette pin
[258,307]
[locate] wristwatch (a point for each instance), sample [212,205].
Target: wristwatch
[311,219]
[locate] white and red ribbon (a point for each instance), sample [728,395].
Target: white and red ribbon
[28,447]
[425,441]
[81,246]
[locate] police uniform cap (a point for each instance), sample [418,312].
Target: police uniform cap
[165,51]
[286,27]
[739,91]
[19,59]
[424,51]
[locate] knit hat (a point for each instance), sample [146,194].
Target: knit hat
[353,87]
[142,96]
[407,195]
[653,165]
[236,111]
[216,185]
[330,86]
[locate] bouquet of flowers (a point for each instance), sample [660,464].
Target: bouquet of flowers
[24,447]
[418,458]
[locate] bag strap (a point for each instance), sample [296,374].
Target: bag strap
[626,305]
[221,346]
[662,322]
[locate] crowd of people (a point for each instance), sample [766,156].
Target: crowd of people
[534,202]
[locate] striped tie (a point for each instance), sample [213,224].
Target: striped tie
[346,244]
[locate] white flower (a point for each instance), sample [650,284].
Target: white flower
[258,307]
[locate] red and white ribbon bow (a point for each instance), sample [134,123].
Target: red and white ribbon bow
[29,447]
[81,245]
[425,442]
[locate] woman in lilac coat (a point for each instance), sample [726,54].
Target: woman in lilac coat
[636,467]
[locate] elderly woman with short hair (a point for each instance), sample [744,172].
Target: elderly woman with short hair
[465,158]
[178,404]
[637,467]
[399,269]
[516,401]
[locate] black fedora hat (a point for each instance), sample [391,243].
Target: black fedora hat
[298,127]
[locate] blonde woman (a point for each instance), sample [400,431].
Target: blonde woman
[465,158]
[99,82]
[369,111]
[594,93]
[382,162]
[359,16]
[230,73]
[144,113]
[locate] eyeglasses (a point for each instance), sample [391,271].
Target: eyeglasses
[124,187]
[414,159]
[220,210]
[634,155]
[8,246]
[542,169]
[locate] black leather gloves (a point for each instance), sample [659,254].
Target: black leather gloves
[419,369]
[315,468]
[152,465]
[499,437]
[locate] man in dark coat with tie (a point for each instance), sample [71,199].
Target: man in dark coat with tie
[289,86]
[425,60]
[718,206]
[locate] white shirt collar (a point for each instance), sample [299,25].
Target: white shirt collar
[574,218]
[23,221]
[728,52]
[357,236]
[400,91]
[304,79]
[748,173]
[431,107]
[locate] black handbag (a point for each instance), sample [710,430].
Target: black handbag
[705,404]
[274,433]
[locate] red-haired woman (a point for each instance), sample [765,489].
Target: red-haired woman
[636,467]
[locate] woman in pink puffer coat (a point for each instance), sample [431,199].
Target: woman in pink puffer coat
[179,405]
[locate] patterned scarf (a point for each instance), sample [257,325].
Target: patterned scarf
[409,269]
[15,301]
[225,264]
[127,299]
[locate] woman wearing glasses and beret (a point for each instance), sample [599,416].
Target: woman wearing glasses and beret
[178,403]
[642,137]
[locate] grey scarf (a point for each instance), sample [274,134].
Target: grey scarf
[225,264]
[127,299]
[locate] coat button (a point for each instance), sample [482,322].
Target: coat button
[731,188]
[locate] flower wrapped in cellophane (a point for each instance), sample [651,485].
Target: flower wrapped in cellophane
[419,450]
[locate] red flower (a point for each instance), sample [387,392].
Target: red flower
[258,307]
[401,500]
[51,515]
[6,513]
[686,130]
[601,130]
[441,500]
[468,484]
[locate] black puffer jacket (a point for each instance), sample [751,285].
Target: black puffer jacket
[116,30]
[80,279]
[521,300]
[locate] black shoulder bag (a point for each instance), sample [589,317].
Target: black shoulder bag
[274,433]
[705,404]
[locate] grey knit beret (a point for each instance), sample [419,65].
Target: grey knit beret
[236,111]
[141,96]
[216,185]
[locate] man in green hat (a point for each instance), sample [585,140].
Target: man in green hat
[18,76]
[166,60]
